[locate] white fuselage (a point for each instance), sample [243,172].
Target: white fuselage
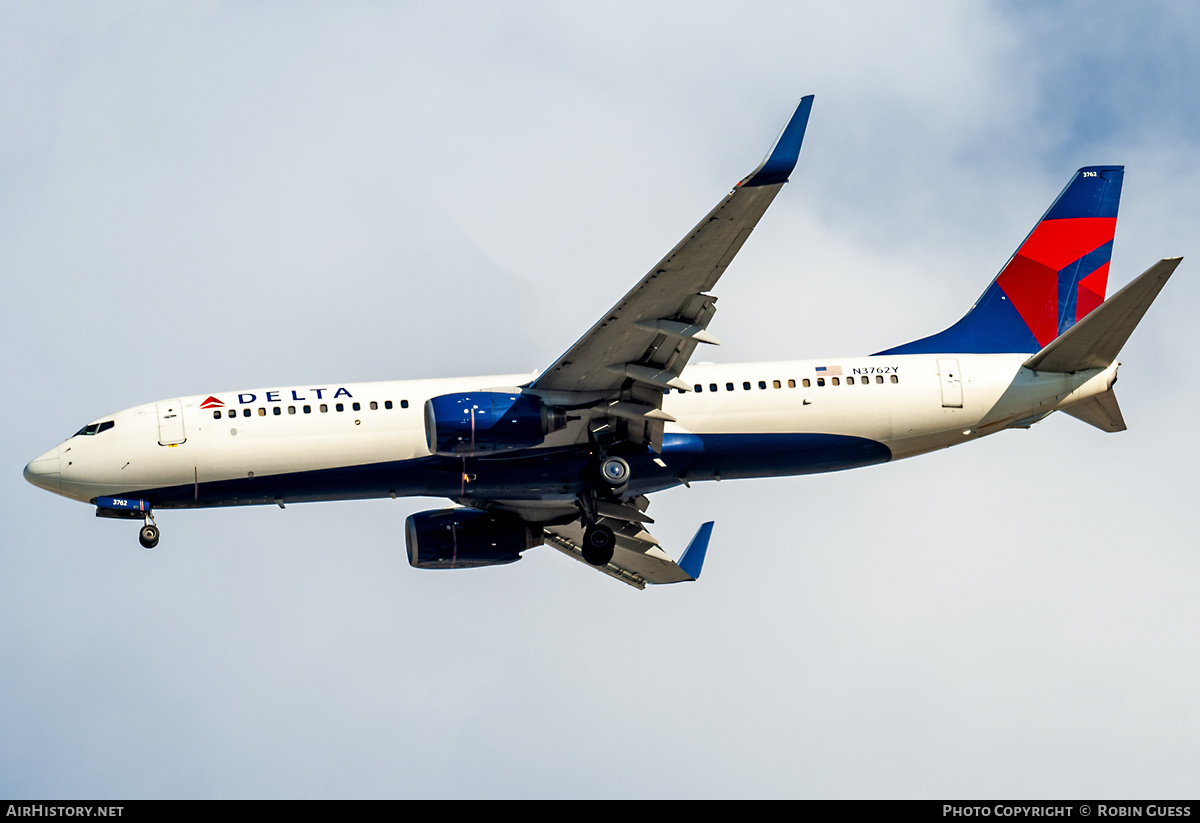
[267,438]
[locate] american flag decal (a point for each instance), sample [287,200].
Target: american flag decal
[829,370]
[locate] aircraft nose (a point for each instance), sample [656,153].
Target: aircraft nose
[43,471]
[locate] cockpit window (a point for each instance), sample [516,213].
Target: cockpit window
[94,428]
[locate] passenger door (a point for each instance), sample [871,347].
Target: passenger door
[170,423]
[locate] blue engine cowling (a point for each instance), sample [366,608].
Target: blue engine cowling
[487,422]
[464,538]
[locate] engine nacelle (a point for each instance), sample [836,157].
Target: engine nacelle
[488,422]
[465,538]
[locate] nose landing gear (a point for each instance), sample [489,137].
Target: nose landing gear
[128,508]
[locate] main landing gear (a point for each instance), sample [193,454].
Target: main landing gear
[599,540]
[615,471]
[598,544]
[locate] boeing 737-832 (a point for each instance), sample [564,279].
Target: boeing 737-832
[567,457]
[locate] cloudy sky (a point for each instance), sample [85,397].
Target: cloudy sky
[209,196]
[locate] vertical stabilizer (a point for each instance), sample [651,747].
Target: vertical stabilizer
[1054,279]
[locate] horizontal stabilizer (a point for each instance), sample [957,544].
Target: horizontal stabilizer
[1100,411]
[1096,340]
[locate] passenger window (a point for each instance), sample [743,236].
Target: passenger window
[262,412]
[340,407]
[728,387]
[762,384]
[833,381]
[291,409]
[387,404]
[849,381]
[807,383]
[403,404]
[712,386]
[777,384]
[217,414]
[374,406]
[278,411]
[746,386]
[233,412]
[895,379]
[357,406]
[699,387]
[820,381]
[791,384]
[324,408]
[308,409]
[879,378]
[245,412]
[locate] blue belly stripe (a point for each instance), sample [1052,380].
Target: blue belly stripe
[542,474]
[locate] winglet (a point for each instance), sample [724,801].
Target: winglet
[782,157]
[693,556]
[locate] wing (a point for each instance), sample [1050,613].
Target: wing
[637,559]
[614,377]
[640,346]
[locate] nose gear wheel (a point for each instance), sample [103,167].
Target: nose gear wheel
[148,536]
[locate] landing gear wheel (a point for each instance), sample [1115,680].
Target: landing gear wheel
[615,471]
[598,544]
[148,536]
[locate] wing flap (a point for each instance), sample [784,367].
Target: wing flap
[638,559]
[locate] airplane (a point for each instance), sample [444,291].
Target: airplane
[566,457]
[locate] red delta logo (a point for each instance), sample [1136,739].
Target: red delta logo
[211,403]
